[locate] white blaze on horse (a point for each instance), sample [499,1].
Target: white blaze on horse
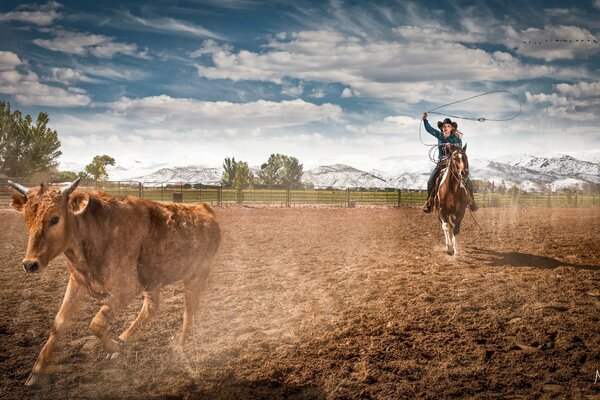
[452,195]
[115,249]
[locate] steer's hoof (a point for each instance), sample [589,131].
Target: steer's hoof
[113,349]
[36,380]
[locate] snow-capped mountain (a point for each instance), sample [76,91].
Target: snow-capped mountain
[340,175]
[189,174]
[528,172]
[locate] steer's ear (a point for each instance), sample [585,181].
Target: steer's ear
[18,202]
[78,202]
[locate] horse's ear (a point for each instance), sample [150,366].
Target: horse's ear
[465,147]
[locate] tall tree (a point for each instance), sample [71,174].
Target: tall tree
[281,170]
[229,172]
[97,168]
[243,179]
[25,148]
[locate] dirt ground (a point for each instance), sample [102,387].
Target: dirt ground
[339,303]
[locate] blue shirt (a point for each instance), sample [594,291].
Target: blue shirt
[452,139]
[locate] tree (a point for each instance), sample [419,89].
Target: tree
[229,172]
[26,149]
[281,170]
[502,188]
[63,176]
[243,179]
[97,168]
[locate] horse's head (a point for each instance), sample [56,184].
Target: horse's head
[459,161]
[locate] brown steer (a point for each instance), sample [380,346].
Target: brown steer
[115,249]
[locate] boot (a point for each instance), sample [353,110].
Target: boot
[428,207]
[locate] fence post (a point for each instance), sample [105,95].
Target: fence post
[288,197]
[140,189]
[399,198]
[348,197]
[219,196]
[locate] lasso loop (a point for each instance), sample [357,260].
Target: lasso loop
[433,147]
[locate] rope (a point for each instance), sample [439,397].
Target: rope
[479,119]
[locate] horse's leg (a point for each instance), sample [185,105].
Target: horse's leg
[446,228]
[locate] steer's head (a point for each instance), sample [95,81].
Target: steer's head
[49,214]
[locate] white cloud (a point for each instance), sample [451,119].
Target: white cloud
[385,70]
[166,24]
[26,88]
[113,72]
[9,60]
[204,117]
[437,33]
[65,76]
[79,43]
[291,90]
[318,93]
[37,14]
[400,125]
[597,4]
[347,92]
[580,101]
[211,47]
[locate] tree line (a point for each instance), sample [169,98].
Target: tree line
[31,149]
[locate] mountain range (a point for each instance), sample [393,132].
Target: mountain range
[528,172]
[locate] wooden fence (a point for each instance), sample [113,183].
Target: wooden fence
[334,197]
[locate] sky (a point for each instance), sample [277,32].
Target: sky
[157,83]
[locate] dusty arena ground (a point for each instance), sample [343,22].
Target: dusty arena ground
[339,303]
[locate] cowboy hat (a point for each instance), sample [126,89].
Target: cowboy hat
[447,121]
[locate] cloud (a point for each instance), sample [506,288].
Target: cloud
[166,24]
[347,92]
[380,69]
[318,93]
[206,118]
[436,33]
[67,76]
[37,14]
[399,125]
[580,101]
[293,90]
[24,85]
[79,43]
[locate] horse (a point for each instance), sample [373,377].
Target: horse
[452,196]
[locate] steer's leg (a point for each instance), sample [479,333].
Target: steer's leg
[69,307]
[99,326]
[149,309]
[193,288]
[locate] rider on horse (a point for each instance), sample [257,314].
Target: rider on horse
[449,134]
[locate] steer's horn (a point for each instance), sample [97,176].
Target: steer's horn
[68,189]
[19,188]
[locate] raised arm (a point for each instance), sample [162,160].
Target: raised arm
[432,131]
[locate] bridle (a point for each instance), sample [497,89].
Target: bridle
[460,176]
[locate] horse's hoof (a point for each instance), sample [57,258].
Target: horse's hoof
[112,356]
[36,380]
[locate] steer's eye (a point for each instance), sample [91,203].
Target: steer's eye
[53,220]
